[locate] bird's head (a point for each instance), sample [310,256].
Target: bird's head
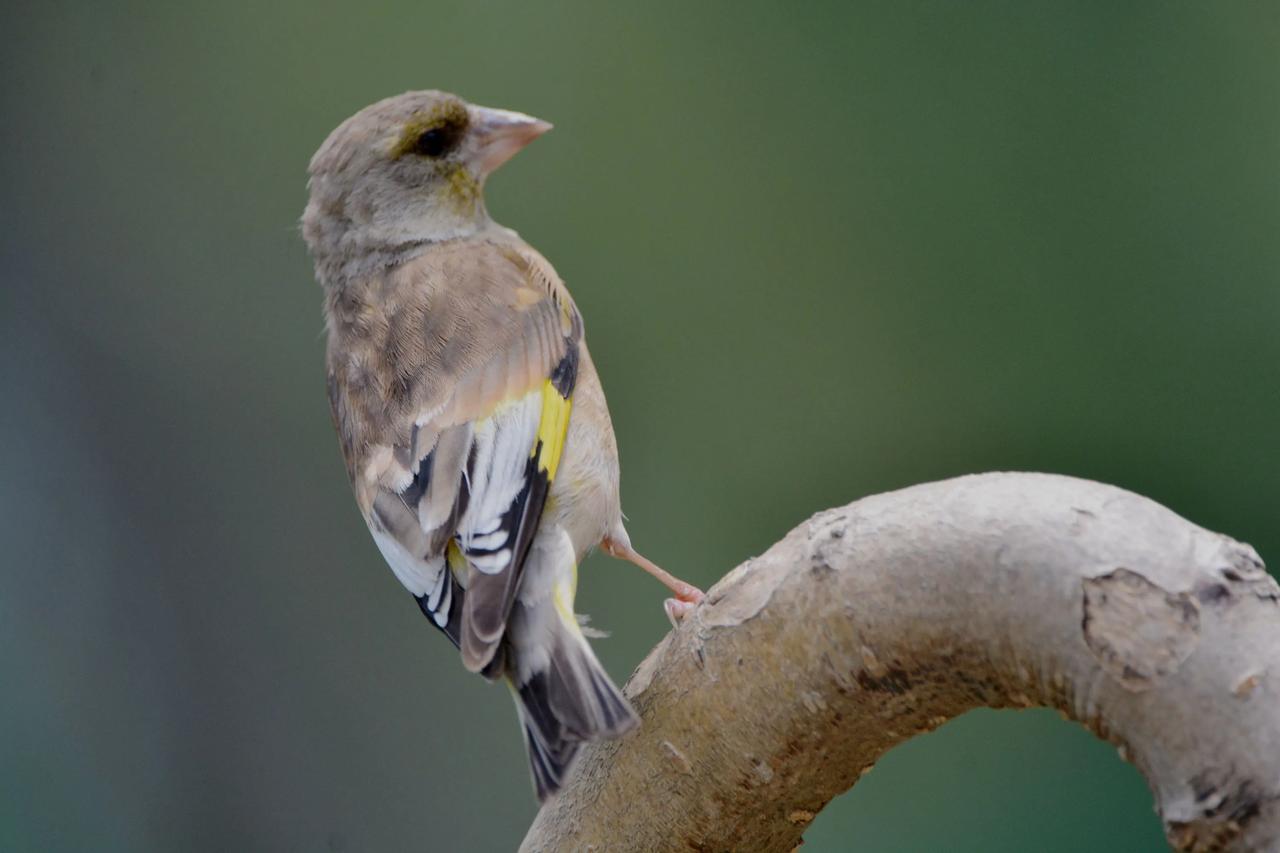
[405,170]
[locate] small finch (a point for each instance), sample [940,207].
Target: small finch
[471,418]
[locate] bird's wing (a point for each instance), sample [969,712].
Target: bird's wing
[454,438]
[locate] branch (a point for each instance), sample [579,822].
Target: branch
[875,622]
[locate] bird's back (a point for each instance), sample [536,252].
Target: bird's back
[431,336]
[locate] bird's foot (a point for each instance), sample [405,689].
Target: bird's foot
[676,610]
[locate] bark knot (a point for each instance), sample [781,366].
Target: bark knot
[1138,632]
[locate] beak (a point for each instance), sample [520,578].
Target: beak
[500,134]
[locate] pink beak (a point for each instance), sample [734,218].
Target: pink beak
[500,134]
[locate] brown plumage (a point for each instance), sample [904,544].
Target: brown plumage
[470,415]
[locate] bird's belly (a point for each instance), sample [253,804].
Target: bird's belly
[583,499]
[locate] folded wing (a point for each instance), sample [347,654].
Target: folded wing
[456,438]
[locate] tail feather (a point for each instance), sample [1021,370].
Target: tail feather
[551,751]
[569,702]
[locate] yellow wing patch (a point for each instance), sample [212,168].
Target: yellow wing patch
[457,562]
[552,429]
[562,596]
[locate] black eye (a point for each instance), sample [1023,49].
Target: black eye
[434,142]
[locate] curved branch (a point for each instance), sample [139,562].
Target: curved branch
[875,622]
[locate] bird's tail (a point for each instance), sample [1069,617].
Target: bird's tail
[566,701]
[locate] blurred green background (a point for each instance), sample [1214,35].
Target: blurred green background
[823,250]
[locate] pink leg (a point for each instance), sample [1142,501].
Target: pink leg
[687,595]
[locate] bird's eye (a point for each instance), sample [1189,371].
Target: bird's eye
[434,142]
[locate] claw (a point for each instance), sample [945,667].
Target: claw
[677,610]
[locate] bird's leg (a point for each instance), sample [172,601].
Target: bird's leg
[687,595]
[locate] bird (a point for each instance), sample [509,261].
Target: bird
[470,416]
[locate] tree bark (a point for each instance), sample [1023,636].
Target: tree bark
[883,619]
